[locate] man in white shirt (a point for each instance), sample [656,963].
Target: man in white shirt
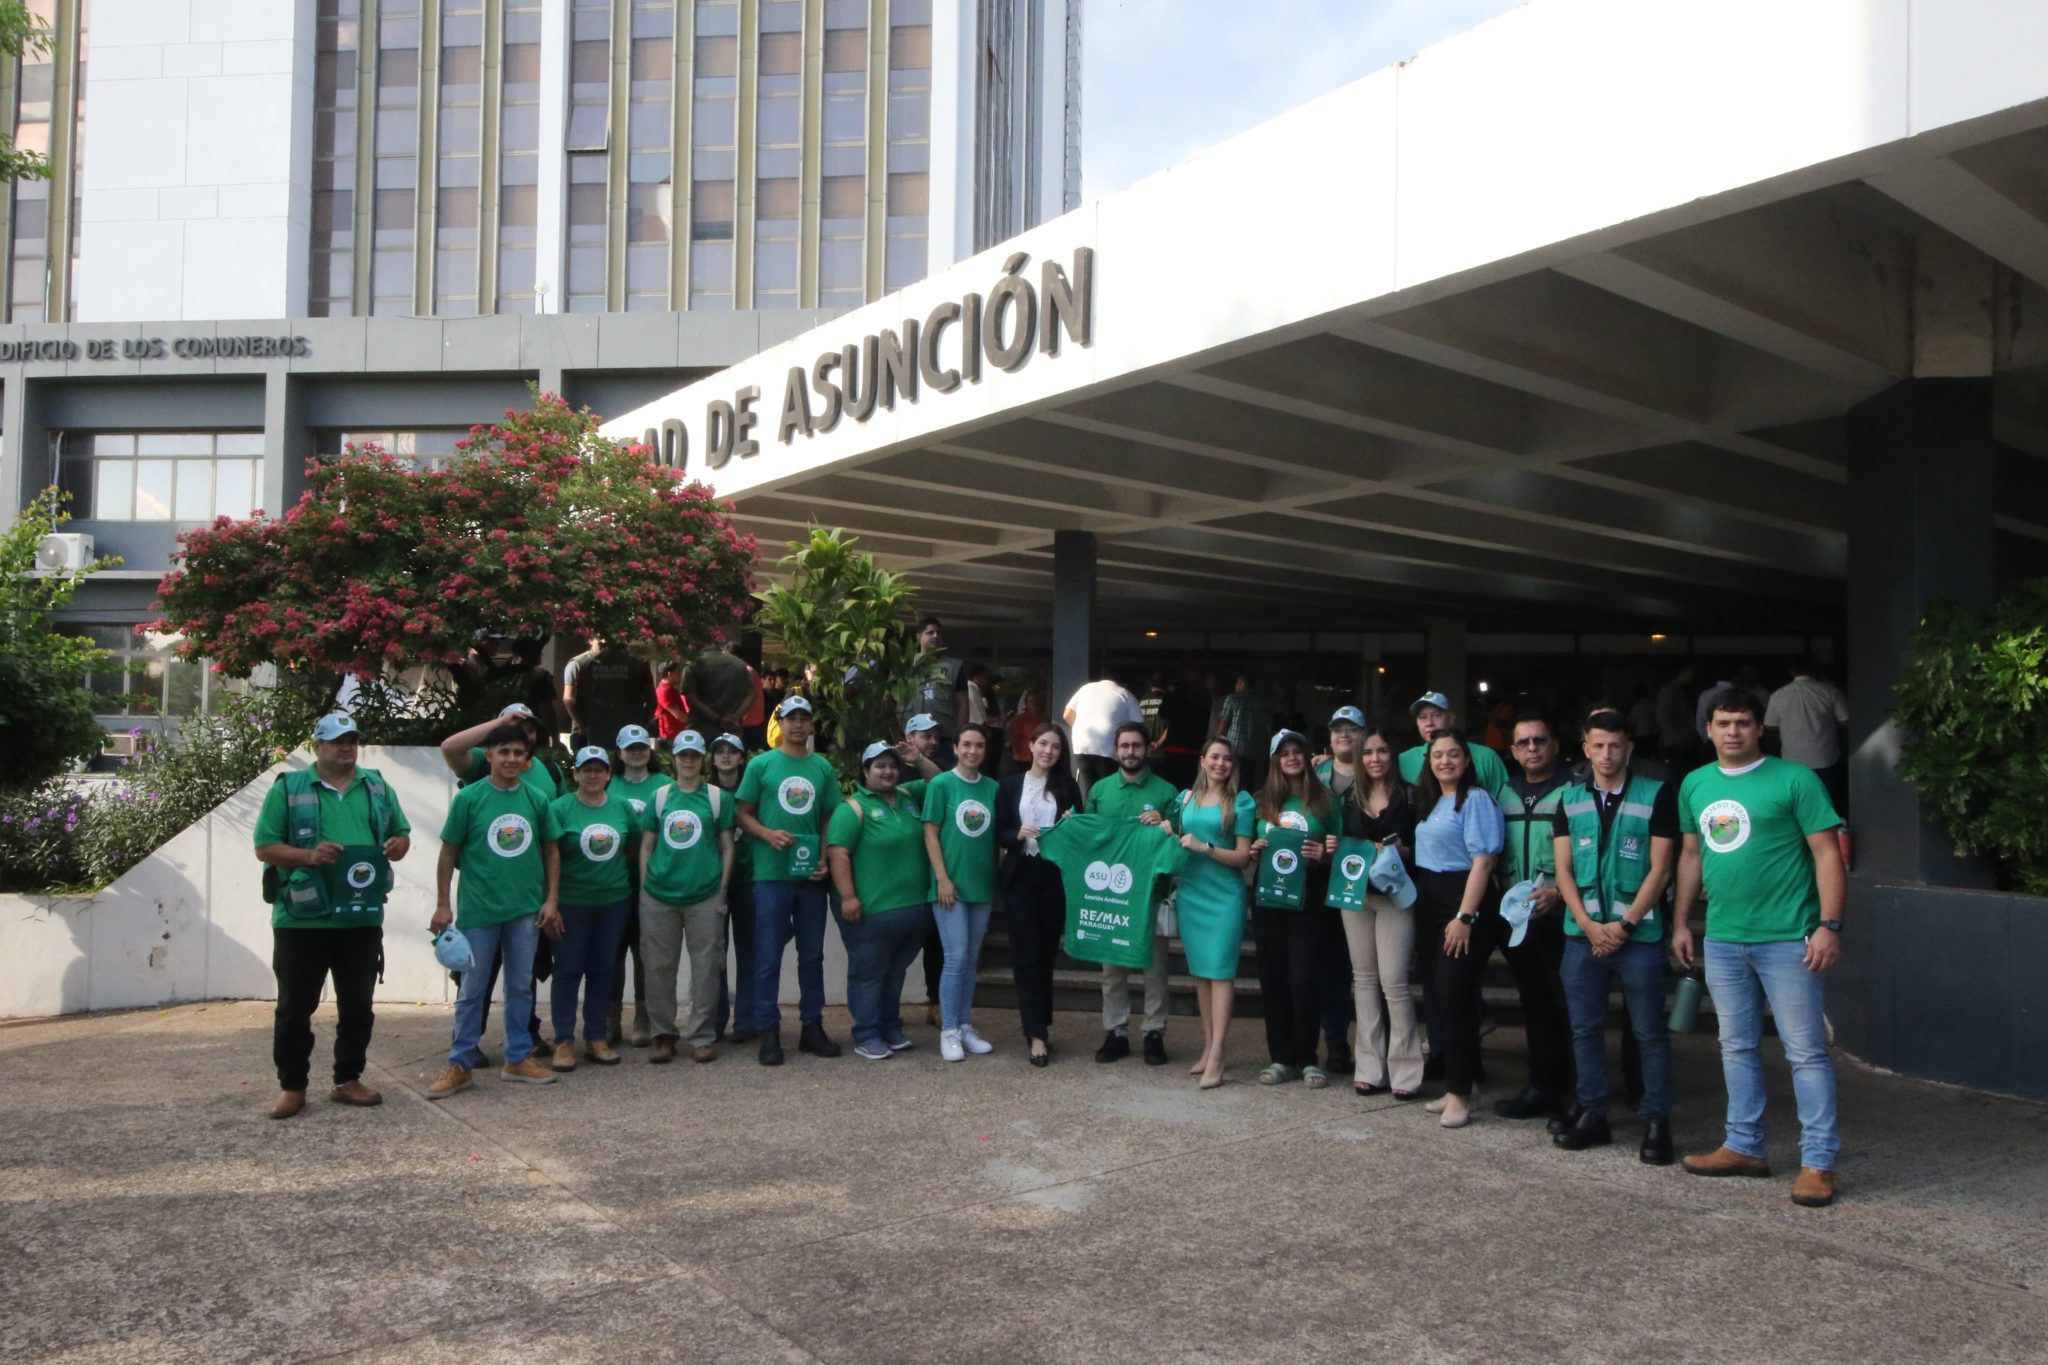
[1092,715]
[1807,715]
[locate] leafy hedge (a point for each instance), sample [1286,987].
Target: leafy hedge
[70,836]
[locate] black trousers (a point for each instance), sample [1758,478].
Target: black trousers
[1035,914]
[934,963]
[1545,1019]
[1292,944]
[1453,999]
[302,960]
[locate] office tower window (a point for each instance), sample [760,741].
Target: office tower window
[994,125]
[145,677]
[458,144]
[330,266]
[842,228]
[589,139]
[649,125]
[519,157]
[714,152]
[35,91]
[397,152]
[778,153]
[424,448]
[159,476]
[908,220]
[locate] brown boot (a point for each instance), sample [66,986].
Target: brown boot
[528,1071]
[565,1057]
[1813,1189]
[1724,1161]
[601,1053]
[452,1079]
[355,1093]
[289,1102]
[664,1051]
[702,1053]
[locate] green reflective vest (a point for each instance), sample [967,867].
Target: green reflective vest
[1532,832]
[1610,862]
[306,897]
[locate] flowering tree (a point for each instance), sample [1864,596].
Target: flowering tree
[539,526]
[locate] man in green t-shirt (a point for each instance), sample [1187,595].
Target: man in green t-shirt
[636,781]
[1433,715]
[785,799]
[1133,792]
[876,850]
[336,820]
[463,753]
[1760,836]
[686,853]
[501,834]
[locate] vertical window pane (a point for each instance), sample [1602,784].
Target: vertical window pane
[194,501]
[234,488]
[113,490]
[153,490]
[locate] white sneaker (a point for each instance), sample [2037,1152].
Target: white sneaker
[974,1042]
[949,1046]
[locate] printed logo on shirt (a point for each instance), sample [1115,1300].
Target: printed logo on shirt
[639,806]
[1284,861]
[797,795]
[1293,819]
[1631,848]
[971,818]
[1101,876]
[800,855]
[362,875]
[1725,826]
[509,835]
[600,843]
[1353,866]
[681,829]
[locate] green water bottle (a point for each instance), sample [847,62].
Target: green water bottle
[1685,1004]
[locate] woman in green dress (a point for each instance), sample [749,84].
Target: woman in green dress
[1214,821]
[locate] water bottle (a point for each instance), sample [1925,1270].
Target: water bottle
[1685,1004]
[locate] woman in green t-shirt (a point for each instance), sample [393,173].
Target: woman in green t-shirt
[686,859]
[875,849]
[959,841]
[1293,942]
[596,825]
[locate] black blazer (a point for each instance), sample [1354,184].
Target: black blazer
[1009,819]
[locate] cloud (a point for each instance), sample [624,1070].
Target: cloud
[1162,79]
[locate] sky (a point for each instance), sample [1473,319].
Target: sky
[1162,79]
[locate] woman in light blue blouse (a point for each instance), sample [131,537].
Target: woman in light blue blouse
[1458,835]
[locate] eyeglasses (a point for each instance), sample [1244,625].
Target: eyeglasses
[1535,743]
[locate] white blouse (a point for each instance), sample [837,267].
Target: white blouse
[1035,807]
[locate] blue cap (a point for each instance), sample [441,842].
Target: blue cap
[1436,699]
[875,751]
[920,723]
[1281,737]
[690,742]
[592,753]
[334,725]
[517,708]
[1348,715]
[1389,877]
[629,735]
[452,951]
[790,704]
[1515,908]
[737,745]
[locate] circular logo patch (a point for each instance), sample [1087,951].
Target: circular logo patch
[1285,861]
[1725,826]
[1120,879]
[681,829]
[1097,876]
[600,843]
[639,806]
[1293,819]
[971,818]
[362,876]
[800,855]
[797,795]
[1353,866]
[509,835]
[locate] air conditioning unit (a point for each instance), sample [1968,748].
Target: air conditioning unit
[64,552]
[119,746]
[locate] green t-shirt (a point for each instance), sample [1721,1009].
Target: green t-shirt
[1122,800]
[1487,769]
[498,835]
[1752,828]
[594,841]
[885,843]
[345,820]
[640,795]
[688,863]
[1108,867]
[796,795]
[965,813]
[536,774]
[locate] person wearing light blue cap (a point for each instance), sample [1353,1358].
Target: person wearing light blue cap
[637,782]
[595,828]
[321,835]
[1434,715]
[687,857]
[875,849]
[1380,935]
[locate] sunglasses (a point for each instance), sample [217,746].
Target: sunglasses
[1535,743]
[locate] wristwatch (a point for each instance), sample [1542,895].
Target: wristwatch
[1833,926]
[1467,919]
[1628,928]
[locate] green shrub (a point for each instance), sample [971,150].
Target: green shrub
[1974,702]
[46,713]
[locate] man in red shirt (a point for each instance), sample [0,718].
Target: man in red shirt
[671,707]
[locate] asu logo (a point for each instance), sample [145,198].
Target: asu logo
[971,818]
[681,829]
[600,843]
[1113,877]
[361,876]
[509,836]
[1353,866]
[1285,860]
[1725,826]
[797,795]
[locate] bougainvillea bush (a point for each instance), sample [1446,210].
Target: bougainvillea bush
[539,526]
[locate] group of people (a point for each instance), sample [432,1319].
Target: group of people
[1350,867]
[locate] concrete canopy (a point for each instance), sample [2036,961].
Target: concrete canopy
[1556,324]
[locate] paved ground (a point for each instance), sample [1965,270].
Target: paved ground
[909,1210]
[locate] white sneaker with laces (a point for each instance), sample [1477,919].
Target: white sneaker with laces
[974,1042]
[949,1046]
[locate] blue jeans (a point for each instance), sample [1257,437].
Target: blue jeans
[961,930]
[736,1003]
[518,938]
[1742,976]
[1587,981]
[587,954]
[782,911]
[879,950]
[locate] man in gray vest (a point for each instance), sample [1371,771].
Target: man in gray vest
[606,689]
[327,838]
